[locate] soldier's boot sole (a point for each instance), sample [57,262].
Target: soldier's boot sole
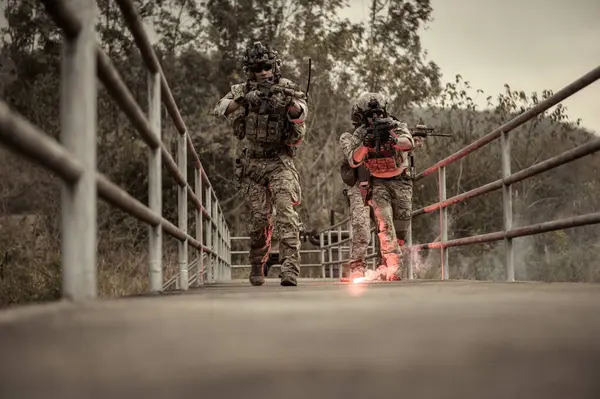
[257,275]
[288,280]
[257,280]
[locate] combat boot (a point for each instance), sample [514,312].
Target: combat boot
[394,274]
[257,276]
[288,274]
[288,279]
[357,270]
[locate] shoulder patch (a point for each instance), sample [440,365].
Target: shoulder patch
[238,90]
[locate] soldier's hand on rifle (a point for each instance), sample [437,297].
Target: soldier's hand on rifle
[400,141]
[253,97]
[279,100]
[369,140]
[419,141]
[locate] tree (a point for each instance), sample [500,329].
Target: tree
[391,58]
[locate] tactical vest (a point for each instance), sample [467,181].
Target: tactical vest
[265,124]
[384,161]
[266,127]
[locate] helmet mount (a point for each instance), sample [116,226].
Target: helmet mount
[369,105]
[259,57]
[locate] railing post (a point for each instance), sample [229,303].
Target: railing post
[78,112]
[339,257]
[215,238]
[220,243]
[228,245]
[209,237]
[226,249]
[330,253]
[217,227]
[155,185]
[507,206]
[200,253]
[443,223]
[182,211]
[351,233]
[321,244]
[223,249]
[409,271]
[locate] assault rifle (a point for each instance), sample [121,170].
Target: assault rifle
[424,131]
[379,133]
[268,89]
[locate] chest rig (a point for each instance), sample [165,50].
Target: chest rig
[267,122]
[382,161]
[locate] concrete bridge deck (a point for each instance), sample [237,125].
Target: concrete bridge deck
[450,339]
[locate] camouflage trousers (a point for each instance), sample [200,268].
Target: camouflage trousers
[360,220]
[273,183]
[392,204]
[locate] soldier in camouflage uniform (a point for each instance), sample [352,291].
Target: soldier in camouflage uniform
[360,217]
[390,188]
[271,111]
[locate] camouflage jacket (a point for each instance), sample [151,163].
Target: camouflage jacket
[349,142]
[297,125]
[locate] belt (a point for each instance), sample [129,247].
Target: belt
[405,175]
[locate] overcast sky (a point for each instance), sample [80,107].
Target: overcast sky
[530,44]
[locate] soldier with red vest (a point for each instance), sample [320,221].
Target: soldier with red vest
[383,145]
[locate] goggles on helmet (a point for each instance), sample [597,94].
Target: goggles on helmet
[262,66]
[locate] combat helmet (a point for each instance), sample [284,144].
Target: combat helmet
[367,105]
[258,54]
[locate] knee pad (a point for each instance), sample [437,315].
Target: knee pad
[401,227]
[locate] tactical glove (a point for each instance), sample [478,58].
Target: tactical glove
[254,97]
[369,140]
[279,100]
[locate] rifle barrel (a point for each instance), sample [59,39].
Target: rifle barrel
[425,134]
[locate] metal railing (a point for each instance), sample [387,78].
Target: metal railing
[75,160]
[505,183]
